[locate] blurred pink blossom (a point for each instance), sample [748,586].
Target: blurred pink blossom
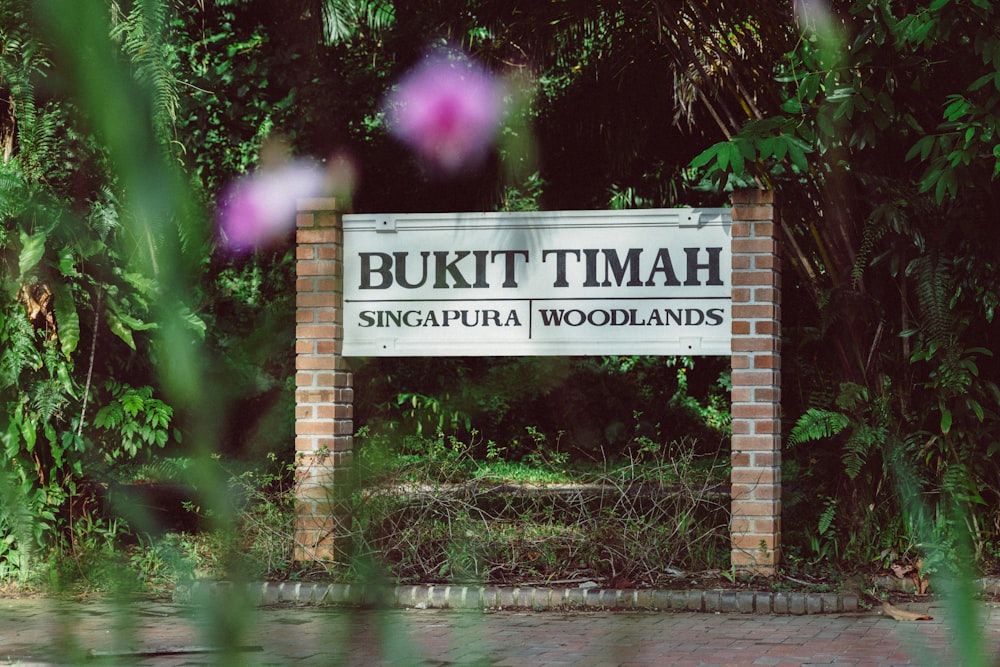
[448,109]
[259,208]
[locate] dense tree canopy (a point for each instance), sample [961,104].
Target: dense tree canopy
[876,122]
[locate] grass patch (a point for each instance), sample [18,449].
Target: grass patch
[457,511]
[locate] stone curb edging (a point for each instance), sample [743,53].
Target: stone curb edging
[536,599]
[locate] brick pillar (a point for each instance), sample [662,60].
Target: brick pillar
[324,396]
[755,528]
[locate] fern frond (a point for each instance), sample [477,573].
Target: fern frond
[874,231]
[934,289]
[46,399]
[817,424]
[140,33]
[18,350]
[862,441]
[343,19]
[828,516]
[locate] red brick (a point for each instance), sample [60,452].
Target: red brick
[315,427]
[334,315]
[328,220]
[767,426]
[766,262]
[752,541]
[754,508]
[318,300]
[329,285]
[759,443]
[741,492]
[323,362]
[741,328]
[329,236]
[768,394]
[753,213]
[318,331]
[768,492]
[755,410]
[739,230]
[754,378]
[740,525]
[740,394]
[766,295]
[765,459]
[740,427]
[771,361]
[751,278]
[756,312]
[314,395]
[766,328]
[763,229]
[756,476]
[759,344]
[765,525]
[317,268]
[755,246]
[740,362]
[333,411]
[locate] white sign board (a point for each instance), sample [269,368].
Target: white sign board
[652,282]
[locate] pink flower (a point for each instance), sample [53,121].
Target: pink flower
[260,207]
[448,109]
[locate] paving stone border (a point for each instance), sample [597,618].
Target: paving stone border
[534,598]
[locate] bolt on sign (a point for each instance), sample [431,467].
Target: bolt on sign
[654,282]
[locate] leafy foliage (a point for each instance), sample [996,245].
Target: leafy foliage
[882,140]
[137,421]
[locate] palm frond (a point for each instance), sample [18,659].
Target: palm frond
[343,19]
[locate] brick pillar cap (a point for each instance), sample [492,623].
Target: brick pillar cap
[318,204]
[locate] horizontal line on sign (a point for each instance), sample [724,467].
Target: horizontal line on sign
[366,226]
[533,298]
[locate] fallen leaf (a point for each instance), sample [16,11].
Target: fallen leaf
[901,570]
[904,615]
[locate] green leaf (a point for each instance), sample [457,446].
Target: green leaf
[67,318]
[32,249]
[706,156]
[922,148]
[957,108]
[736,160]
[945,420]
[981,81]
[195,322]
[118,328]
[67,263]
[798,157]
[976,408]
[725,155]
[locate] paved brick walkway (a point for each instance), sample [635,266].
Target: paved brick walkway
[166,634]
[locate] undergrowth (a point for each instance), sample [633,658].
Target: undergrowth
[449,515]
